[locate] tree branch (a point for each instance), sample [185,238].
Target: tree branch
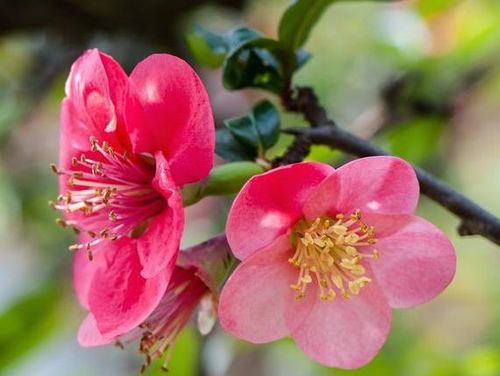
[474,219]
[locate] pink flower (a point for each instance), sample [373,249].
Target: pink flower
[194,283]
[327,253]
[127,145]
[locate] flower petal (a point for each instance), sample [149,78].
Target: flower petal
[158,247]
[94,105]
[119,297]
[83,273]
[346,333]
[269,204]
[89,335]
[385,185]
[169,110]
[256,300]
[417,261]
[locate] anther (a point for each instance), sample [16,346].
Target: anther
[61,222]
[107,187]
[94,144]
[112,216]
[54,169]
[119,345]
[327,252]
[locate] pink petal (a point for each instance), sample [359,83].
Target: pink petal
[382,185]
[346,333]
[169,110]
[83,273]
[89,335]
[95,92]
[417,261]
[269,204]
[119,297]
[257,303]
[159,245]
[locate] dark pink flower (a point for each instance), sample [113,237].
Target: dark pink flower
[195,280]
[327,253]
[127,144]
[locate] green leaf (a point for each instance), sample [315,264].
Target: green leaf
[267,122]
[239,36]
[259,129]
[230,149]
[298,21]
[255,63]
[207,48]
[249,59]
[244,130]
[210,49]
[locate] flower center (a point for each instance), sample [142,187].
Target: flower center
[328,251]
[109,196]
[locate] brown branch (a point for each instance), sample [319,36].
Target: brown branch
[474,219]
[296,152]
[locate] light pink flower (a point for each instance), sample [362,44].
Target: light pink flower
[327,253]
[127,144]
[194,283]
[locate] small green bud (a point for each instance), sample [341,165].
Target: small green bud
[225,179]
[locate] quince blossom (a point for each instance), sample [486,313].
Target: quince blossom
[127,144]
[325,254]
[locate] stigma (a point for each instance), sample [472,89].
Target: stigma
[109,195]
[328,253]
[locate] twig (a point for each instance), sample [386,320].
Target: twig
[474,219]
[296,152]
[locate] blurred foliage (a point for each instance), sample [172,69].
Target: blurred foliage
[27,322]
[425,64]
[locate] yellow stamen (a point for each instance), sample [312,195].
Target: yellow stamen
[328,251]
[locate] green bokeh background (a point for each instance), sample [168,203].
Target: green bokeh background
[441,119]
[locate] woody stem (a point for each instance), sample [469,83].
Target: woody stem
[323,131]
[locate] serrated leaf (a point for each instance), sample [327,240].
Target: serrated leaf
[230,149]
[207,48]
[259,129]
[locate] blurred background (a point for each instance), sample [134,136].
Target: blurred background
[421,78]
